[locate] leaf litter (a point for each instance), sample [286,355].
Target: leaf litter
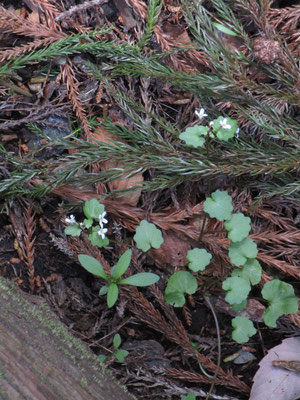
[154,109]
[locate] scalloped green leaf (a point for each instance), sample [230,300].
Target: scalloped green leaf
[239,307]
[251,271]
[240,252]
[238,227]
[237,289]
[147,235]
[97,240]
[243,329]
[92,209]
[179,283]
[92,265]
[198,259]
[219,205]
[227,132]
[282,299]
[72,230]
[176,299]
[194,135]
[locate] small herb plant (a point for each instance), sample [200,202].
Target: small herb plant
[242,253]
[120,354]
[94,211]
[223,128]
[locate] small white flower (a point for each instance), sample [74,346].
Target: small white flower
[211,124]
[70,220]
[102,231]
[237,132]
[81,224]
[224,124]
[102,220]
[201,113]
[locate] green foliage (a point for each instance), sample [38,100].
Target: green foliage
[251,271]
[198,259]
[189,396]
[120,354]
[111,289]
[92,265]
[224,127]
[73,230]
[243,329]
[240,252]
[179,283]
[219,205]
[237,289]
[147,235]
[282,299]
[224,29]
[195,135]
[238,227]
[141,279]
[92,209]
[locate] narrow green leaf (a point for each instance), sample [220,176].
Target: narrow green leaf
[112,294]
[224,29]
[117,341]
[141,279]
[122,264]
[92,265]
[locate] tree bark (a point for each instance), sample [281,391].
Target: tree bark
[41,360]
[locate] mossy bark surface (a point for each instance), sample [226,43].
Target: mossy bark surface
[41,360]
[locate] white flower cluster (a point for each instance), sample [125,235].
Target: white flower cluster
[70,220]
[102,220]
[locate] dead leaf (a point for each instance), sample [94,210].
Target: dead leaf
[173,251]
[273,383]
[131,198]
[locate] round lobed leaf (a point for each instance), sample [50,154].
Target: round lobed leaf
[239,252]
[219,205]
[147,235]
[251,271]
[73,230]
[237,289]
[182,282]
[199,259]
[243,329]
[92,209]
[194,135]
[282,299]
[238,227]
[176,299]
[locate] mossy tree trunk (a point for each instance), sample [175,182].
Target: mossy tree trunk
[41,360]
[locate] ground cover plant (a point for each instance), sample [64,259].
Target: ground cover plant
[160,110]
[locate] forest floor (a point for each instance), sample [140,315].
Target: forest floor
[93,97]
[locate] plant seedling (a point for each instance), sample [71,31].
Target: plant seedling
[189,396]
[120,354]
[111,289]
